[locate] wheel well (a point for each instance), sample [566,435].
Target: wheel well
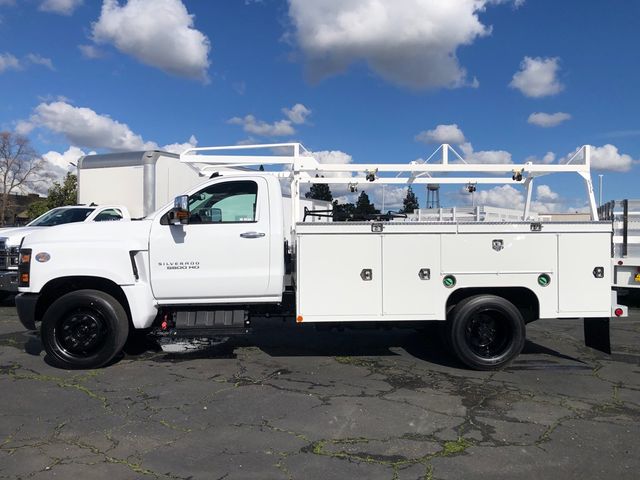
[61,286]
[524,299]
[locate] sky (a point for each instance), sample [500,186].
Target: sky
[364,81]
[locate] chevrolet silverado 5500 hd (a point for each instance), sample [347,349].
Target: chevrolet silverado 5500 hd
[220,256]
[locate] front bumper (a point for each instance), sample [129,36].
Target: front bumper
[9,281]
[26,306]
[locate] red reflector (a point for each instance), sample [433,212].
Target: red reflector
[618,312]
[164,325]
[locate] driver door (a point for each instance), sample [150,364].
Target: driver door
[222,254]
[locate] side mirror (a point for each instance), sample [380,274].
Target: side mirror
[179,214]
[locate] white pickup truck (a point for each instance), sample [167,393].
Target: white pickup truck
[221,257]
[12,237]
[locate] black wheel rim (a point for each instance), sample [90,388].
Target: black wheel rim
[81,333]
[488,333]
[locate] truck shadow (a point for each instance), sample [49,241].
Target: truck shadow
[425,345]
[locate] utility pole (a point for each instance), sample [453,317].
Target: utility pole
[600,189]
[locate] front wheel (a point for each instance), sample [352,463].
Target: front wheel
[486,332]
[84,329]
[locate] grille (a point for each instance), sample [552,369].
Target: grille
[8,256]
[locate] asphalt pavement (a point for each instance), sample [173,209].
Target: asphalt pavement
[289,402]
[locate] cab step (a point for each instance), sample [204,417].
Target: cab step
[190,323]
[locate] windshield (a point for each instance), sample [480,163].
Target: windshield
[58,216]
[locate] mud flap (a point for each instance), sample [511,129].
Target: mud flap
[596,334]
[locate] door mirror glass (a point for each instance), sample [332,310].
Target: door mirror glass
[179,214]
[181,202]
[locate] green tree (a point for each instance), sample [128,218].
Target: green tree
[320,191]
[60,194]
[63,194]
[364,207]
[410,202]
[343,211]
[37,208]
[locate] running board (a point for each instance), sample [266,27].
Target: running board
[207,323]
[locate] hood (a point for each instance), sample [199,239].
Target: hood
[14,235]
[135,235]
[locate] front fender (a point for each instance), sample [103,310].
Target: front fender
[104,260]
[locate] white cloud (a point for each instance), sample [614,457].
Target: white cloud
[506,196]
[450,134]
[297,114]
[61,7]
[607,157]
[412,43]
[340,192]
[393,196]
[55,167]
[537,77]
[545,194]
[159,33]
[484,156]
[547,120]
[64,160]
[90,51]
[8,62]
[40,60]
[547,158]
[453,135]
[181,147]
[85,128]
[251,124]
[332,156]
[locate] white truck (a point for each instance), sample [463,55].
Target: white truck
[220,258]
[12,237]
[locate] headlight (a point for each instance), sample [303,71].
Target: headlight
[14,257]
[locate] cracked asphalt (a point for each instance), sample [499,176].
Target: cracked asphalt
[288,402]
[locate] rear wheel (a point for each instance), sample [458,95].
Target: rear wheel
[84,329]
[486,332]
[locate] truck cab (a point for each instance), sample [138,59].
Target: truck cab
[229,249]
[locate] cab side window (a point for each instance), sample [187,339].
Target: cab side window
[225,202]
[109,214]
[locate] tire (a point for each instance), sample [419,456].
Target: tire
[84,329]
[486,332]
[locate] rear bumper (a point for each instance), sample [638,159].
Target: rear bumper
[9,281]
[26,306]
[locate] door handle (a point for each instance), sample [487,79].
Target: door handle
[252,234]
